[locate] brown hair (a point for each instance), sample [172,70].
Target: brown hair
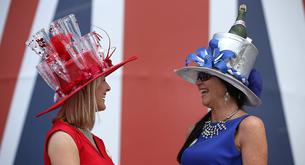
[80,109]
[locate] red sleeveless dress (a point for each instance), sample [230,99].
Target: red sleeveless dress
[88,154]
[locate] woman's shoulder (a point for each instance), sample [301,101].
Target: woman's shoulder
[60,145]
[62,133]
[251,122]
[251,127]
[60,138]
[62,129]
[252,140]
[61,126]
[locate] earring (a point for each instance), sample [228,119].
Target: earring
[226,97]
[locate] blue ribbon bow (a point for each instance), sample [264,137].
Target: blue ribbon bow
[212,57]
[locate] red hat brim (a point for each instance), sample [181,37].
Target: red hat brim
[105,73]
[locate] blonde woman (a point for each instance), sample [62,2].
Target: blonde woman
[70,140]
[75,67]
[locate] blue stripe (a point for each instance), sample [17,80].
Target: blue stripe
[271,111]
[31,147]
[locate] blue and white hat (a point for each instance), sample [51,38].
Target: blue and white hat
[230,58]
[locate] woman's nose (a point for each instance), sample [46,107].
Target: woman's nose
[198,82]
[108,87]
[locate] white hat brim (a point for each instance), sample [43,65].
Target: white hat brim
[190,74]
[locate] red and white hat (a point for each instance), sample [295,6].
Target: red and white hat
[70,61]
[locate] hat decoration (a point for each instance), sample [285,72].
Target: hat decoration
[70,61]
[231,57]
[212,57]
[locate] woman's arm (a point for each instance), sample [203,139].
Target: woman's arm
[252,140]
[62,149]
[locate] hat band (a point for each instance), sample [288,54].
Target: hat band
[212,57]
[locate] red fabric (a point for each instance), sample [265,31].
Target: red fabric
[105,73]
[87,153]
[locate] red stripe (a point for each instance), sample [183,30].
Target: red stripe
[158,106]
[16,32]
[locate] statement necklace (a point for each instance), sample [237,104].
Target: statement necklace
[209,130]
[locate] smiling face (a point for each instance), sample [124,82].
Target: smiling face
[100,94]
[212,90]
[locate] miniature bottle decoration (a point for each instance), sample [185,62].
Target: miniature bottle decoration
[239,27]
[40,43]
[68,59]
[59,39]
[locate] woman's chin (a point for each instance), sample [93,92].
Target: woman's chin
[205,103]
[101,108]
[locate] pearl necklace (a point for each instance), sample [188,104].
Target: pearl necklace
[210,130]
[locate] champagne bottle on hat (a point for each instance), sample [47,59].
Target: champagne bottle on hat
[239,27]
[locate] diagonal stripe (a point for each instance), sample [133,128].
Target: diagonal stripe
[158,107]
[23,89]
[31,144]
[286,31]
[11,51]
[271,111]
[4,7]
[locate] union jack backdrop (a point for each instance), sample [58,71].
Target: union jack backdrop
[149,108]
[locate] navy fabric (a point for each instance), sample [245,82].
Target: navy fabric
[220,149]
[271,111]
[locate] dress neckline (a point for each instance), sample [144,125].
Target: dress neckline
[96,147]
[230,120]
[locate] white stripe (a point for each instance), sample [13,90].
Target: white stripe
[222,15]
[109,16]
[4,9]
[285,24]
[24,88]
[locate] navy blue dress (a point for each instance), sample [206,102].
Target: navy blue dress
[218,150]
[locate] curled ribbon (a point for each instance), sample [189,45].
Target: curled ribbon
[212,57]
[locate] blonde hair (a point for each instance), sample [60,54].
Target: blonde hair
[80,109]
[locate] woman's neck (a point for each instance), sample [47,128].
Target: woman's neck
[223,110]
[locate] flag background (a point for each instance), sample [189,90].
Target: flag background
[150,109]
